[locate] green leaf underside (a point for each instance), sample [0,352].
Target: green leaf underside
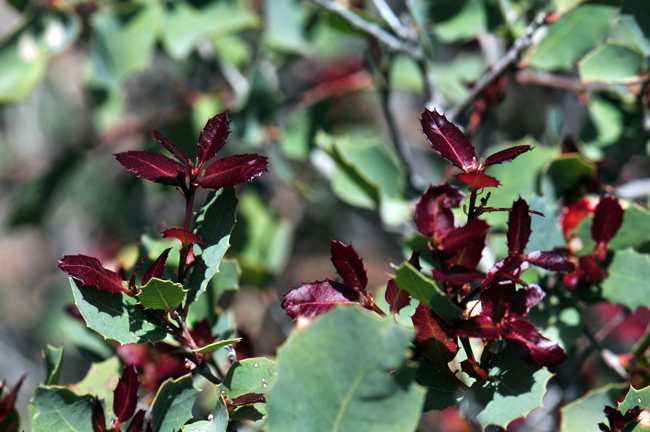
[334,376]
[55,408]
[584,414]
[513,389]
[172,406]
[52,358]
[100,381]
[214,223]
[442,391]
[424,289]
[213,346]
[629,280]
[161,294]
[117,316]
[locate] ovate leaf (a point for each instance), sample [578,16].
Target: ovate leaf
[478,180]
[90,272]
[125,395]
[171,147]
[608,218]
[349,266]
[519,222]
[55,408]
[530,345]
[233,170]
[153,166]
[161,294]
[550,260]
[629,279]
[448,141]
[346,372]
[312,299]
[507,155]
[213,137]
[172,406]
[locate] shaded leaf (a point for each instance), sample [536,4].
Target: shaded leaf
[480,326]
[312,299]
[591,269]
[629,280]
[550,260]
[152,166]
[157,268]
[89,271]
[138,422]
[471,368]
[98,417]
[186,237]
[448,141]
[172,148]
[608,218]
[458,275]
[507,155]
[432,333]
[584,414]
[433,210]
[396,297]
[172,406]
[213,137]
[477,180]
[442,391]
[348,265]
[161,294]
[465,244]
[52,358]
[519,222]
[531,346]
[125,395]
[233,170]
[59,409]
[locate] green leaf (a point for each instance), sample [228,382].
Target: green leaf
[513,389]
[214,223]
[546,231]
[213,346]
[55,408]
[640,398]
[565,5]
[425,290]
[295,141]
[597,65]
[467,24]
[283,28]
[52,358]
[442,392]
[635,16]
[558,319]
[334,376]
[566,173]
[584,414]
[248,376]
[219,422]
[100,381]
[629,280]
[161,294]
[578,31]
[172,406]
[117,316]
[634,230]
[607,119]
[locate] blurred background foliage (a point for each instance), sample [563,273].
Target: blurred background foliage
[336,109]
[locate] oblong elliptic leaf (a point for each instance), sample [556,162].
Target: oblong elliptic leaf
[448,141]
[396,297]
[152,166]
[349,266]
[312,299]
[524,338]
[213,137]
[90,271]
[507,155]
[125,395]
[348,371]
[161,294]
[519,222]
[478,180]
[157,268]
[172,148]
[608,218]
[233,170]
[550,260]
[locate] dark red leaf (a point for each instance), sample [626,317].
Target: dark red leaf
[137,422]
[125,395]
[415,260]
[213,137]
[89,271]
[591,269]
[153,166]
[524,299]
[157,268]
[519,230]
[432,333]
[312,299]
[348,265]
[473,370]
[433,210]
[8,402]
[478,180]
[233,170]
[507,269]
[480,326]
[458,276]
[73,312]
[202,333]
[608,218]
[172,148]
[495,300]
[530,345]
[98,417]
[248,399]
[186,237]
[552,261]
[464,245]
[446,139]
[574,215]
[617,421]
[132,286]
[396,297]
[506,155]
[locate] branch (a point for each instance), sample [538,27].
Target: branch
[545,79]
[391,42]
[511,57]
[392,20]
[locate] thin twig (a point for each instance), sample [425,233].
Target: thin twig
[392,43]
[392,20]
[500,67]
[545,79]
[608,357]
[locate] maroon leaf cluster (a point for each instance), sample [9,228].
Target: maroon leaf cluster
[608,218]
[125,401]
[227,172]
[312,299]
[8,405]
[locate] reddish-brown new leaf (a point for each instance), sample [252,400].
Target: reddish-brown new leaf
[550,260]
[432,333]
[137,422]
[152,166]
[506,155]
[172,148]
[186,237]
[98,417]
[480,326]
[446,139]
[396,297]
[132,286]
[530,345]
[348,265]
[213,137]
[125,395]
[495,300]
[519,230]
[458,275]
[464,245]
[574,215]
[312,299]
[608,218]
[8,402]
[233,170]
[89,271]
[591,269]
[478,180]
[524,299]
[471,368]
[433,210]
[248,399]
[157,268]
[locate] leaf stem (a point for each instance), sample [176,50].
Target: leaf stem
[485,355]
[468,348]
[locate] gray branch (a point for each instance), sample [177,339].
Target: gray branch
[392,20]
